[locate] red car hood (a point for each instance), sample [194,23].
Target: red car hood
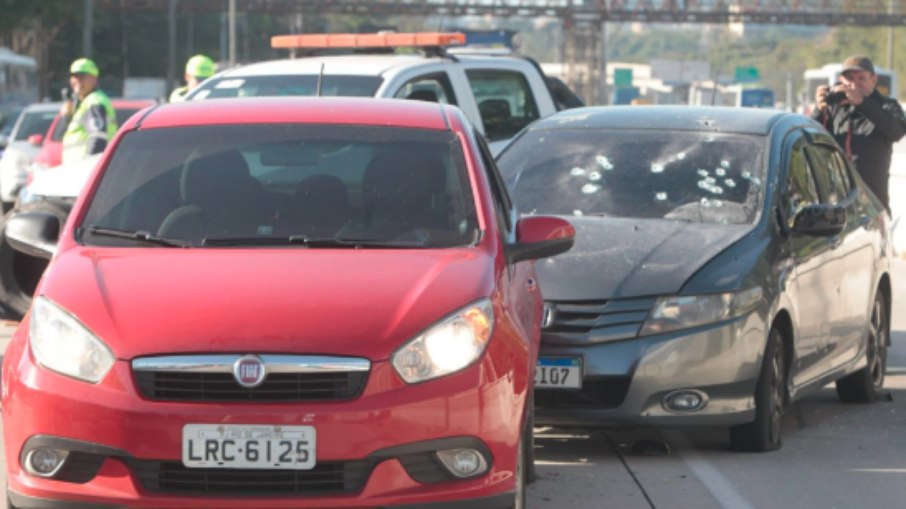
[319,301]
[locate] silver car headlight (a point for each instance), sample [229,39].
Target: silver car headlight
[685,311]
[61,343]
[448,346]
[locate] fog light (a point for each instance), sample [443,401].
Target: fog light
[45,462]
[685,401]
[463,462]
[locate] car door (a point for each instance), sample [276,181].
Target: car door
[852,252]
[809,283]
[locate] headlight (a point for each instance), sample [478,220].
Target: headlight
[447,346]
[683,312]
[60,343]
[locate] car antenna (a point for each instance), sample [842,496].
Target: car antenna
[320,79]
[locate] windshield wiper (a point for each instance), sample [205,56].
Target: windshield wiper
[140,235]
[302,240]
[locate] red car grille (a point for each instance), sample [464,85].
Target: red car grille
[329,478]
[186,386]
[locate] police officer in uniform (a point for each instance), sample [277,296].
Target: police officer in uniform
[198,69]
[93,122]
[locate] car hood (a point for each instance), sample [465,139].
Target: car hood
[356,302]
[620,258]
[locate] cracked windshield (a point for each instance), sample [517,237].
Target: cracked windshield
[453,254]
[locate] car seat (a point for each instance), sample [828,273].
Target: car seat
[496,117]
[319,208]
[402,191]
[423,95]
[220,198]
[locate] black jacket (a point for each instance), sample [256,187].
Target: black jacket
[876,125]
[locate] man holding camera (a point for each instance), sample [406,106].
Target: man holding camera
[865,123]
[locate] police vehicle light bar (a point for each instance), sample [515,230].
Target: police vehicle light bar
[379,40]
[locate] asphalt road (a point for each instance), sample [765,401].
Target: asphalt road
[834,455]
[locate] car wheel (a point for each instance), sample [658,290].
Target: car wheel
[528,440]
[763,434]
[19,272]
[865,385]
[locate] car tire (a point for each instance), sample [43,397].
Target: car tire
[531,473]
[19,272]
[864,386]
[763,434]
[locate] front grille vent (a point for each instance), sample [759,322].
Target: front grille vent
[596,393]
[189,386]
[582,322]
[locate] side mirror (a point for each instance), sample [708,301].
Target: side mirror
[820,220]
[540,237]
[35,139]
[33,233]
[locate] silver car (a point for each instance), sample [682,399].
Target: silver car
[727,262]
[23,145]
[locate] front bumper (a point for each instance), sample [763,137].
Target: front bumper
[383,440]
[625,382]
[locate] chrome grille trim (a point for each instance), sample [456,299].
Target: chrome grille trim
[275,363]
[587,322]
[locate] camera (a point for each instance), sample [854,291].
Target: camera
[835,97]
[67,94]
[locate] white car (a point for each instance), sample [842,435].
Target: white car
[897,193]
[24,144]
[500,94]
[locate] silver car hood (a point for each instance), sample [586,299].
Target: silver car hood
[621,258]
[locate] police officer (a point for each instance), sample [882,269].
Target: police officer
[93,122]
[198,69]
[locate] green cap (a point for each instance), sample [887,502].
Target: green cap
[83,66]
[200,66]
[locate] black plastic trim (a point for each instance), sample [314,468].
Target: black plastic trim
[502,501]
[25,502]
[84,460]
[414,457]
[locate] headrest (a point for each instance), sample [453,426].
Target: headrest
[494,108]
[217,179]
[423,95]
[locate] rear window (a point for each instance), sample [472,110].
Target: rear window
[291,85]
[684,176]
[33,122]
[262,184]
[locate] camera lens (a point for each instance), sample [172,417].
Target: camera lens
[835,97]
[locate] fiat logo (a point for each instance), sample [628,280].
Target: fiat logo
[249,371]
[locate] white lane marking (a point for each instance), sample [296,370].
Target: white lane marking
[720,488]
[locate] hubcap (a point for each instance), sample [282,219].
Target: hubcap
[877,344]
[776,392]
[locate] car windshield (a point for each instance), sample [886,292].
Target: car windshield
[687,176]
[314,185]
[34,122]
[289,85]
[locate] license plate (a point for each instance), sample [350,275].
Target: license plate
[558,373]
[252,446]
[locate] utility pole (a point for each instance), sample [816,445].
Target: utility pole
[890,39]
[171,54]
[232,16]
[87,28]
[602,85]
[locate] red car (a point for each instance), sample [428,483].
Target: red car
[323,302]
[51,153]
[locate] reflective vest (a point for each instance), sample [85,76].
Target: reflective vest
[92,125]
[179,95]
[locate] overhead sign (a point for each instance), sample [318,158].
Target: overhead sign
[622,77]
[746,74]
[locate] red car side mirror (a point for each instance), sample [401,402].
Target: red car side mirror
[35,139]
[541,237]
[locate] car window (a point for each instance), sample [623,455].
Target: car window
[833,182]
[505,101]
[260,182]
[685,176]
[502,203]
[801,188]
[33,122]
[289,85]
[431,88]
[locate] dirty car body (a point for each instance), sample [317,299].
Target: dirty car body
[321,302]
[727,263]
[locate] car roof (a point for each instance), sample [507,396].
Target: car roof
[366,64]
[42,107]
[686,118]
[314,110]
